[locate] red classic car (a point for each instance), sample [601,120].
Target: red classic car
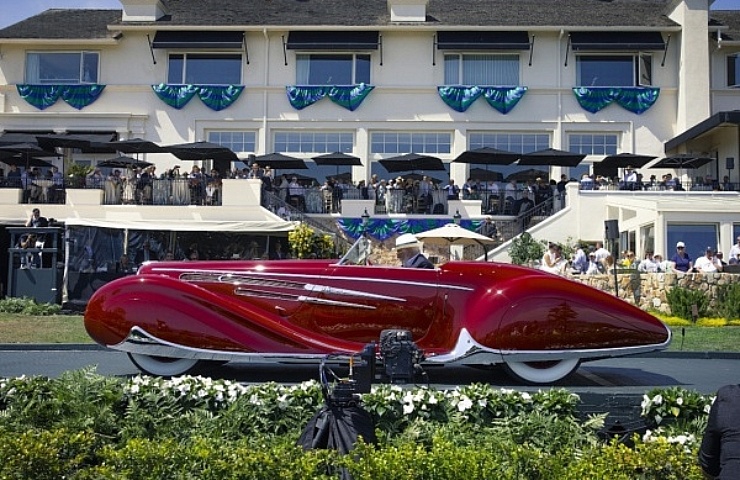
[174,316]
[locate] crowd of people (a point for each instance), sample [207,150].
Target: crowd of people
[632,179]
[596,259]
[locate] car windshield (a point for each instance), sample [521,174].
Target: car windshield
[358,254]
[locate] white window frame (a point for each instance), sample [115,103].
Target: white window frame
[303,65]
[508,141]
[592,145]
[80,80]
[184,71]
[460,63]
[313,142]
[735,58]
[219,137]
[399,142]
[642,68]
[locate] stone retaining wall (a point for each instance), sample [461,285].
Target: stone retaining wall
[648,290]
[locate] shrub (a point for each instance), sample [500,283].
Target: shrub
[728,301]
[682,300]
[525,248]
[28,306]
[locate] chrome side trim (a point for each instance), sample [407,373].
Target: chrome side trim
[141,342]
[469,352]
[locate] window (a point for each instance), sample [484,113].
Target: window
[62,67]
[733,70]
[512,142]
[407,142]
[205,69]
[332,69]
[234,140]
[614,70]
[481,69]
[313,142]
[593,144]
[696,237]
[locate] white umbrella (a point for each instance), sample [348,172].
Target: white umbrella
[453,234]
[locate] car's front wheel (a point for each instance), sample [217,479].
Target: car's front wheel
[163,366]
[542,373]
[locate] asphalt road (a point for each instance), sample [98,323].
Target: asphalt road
[620,376]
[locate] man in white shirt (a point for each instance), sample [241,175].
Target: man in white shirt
[708,263]
[735,250]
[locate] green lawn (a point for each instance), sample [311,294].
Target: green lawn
[70,329]
[42,329]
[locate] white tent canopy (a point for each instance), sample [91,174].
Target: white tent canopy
[254,226]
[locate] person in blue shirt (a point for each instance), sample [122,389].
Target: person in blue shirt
[681,260]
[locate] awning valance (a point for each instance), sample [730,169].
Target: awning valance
[337,40]
[473,40]
[196,39]
[616,41]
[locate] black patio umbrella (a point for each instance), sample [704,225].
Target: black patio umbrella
[410,162]
[484,175]
[279,161]
[135,145]
[551,157]
[200,151]
[26,160]
[26,152]
[10,138]
[124,162]
[609,166]
[624,160]
[684,160]
[529,174]
[87,142]
[337,159]
[487,156]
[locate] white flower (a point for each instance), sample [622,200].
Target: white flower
[526,396]
[679,400]
[433,400]
[658,399]
[464,404]
[707,408]
[134,389]
[408,408]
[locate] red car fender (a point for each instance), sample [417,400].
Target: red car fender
[205,319]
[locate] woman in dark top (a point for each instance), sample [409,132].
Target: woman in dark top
[682,260]
[719,455]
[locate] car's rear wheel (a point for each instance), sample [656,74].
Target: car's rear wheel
[163,366]
[542,373]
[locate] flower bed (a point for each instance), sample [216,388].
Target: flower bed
[86,426]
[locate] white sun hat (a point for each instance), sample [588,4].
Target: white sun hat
[406,240]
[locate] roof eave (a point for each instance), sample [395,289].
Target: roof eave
[731,117]
[61,41]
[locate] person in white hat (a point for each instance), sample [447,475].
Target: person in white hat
[409,253]
[681,260]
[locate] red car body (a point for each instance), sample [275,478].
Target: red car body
[172,315]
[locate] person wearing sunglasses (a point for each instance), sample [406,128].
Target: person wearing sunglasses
[681,260]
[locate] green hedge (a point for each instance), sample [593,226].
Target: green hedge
[83,426]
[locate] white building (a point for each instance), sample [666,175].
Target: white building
[379,78]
